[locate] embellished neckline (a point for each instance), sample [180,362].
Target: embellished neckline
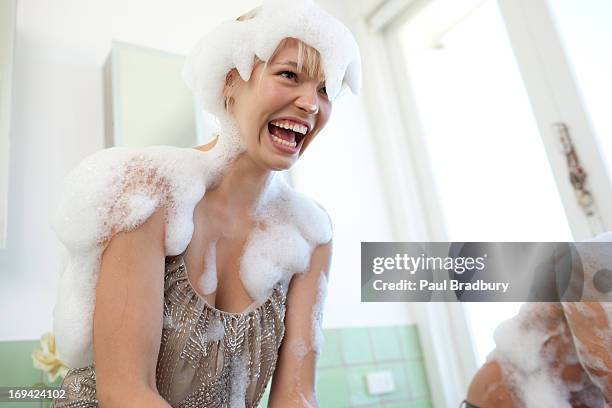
[250,310]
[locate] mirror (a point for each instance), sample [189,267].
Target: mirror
[146,102]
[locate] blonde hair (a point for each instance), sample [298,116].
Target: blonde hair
[308,60]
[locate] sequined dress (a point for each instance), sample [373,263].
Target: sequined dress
[207,358]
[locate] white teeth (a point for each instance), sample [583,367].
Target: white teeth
[285,124]
[283,142]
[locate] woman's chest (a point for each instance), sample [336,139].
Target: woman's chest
[235,263]
[212,261]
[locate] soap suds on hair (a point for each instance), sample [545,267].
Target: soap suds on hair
[117,189]
[235,44]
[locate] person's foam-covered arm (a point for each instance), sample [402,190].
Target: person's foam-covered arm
[127,322]
[293,383]
[591,330]
[489,388]
[112,191]
[534,355]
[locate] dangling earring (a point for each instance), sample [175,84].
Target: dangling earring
[229,101]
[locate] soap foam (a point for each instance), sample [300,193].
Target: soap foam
[317,315]
[216,330]
[239,379]
[525,346]
[168,322]
[306,339]
[208,281]
[591,322]
[530,360]
[235,44]
[118,189]
[299,346]
[308,402]
[300,350]
[519,351]
[267,250]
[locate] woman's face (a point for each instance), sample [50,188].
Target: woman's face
[280,115]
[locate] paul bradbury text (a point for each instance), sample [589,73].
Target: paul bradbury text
[451,284]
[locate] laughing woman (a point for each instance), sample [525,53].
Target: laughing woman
[197,275]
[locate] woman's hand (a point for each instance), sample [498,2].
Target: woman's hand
[294,379]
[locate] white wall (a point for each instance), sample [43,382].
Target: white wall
[58,119]
[8,12]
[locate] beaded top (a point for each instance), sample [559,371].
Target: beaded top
[207,357]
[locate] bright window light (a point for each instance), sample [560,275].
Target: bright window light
[489,165]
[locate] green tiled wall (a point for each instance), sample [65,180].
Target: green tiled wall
[348,356]
[16,370]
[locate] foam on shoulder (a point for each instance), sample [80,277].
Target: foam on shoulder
[290,226]
[117,190]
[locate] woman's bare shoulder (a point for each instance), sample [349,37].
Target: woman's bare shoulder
[114,195]
[117,189]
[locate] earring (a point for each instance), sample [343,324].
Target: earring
[229,101]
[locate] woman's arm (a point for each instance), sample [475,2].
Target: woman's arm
[128,314]
[293,384]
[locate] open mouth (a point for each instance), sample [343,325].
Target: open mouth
[287,135]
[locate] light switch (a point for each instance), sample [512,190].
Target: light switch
[380,382]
